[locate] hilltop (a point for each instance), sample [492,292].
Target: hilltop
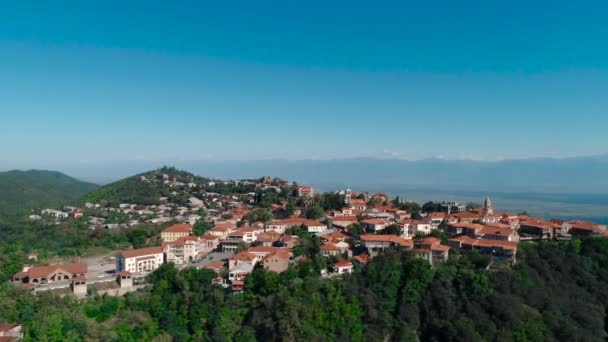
[144,188]
[25,190]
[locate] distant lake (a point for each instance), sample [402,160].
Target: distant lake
[591,207]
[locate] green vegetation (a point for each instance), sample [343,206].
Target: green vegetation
[557,292]
[145,192]
[67,239]
[21,191]
[259,215]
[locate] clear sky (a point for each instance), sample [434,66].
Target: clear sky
[177,80]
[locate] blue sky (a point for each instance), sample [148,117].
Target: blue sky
[174,81]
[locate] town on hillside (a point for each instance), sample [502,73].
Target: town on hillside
[233,227]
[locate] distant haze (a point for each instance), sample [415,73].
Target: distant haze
[567,187]
[567,175]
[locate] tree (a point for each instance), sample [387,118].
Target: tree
[431,207]
[259,215]
[290,208]
[393,229]
[201,227]
[355,230]
[411,207]
[314,213]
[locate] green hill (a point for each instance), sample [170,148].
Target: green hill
[25,190]
[145,188]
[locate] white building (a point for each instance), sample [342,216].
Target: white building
[140,260]
[183,250]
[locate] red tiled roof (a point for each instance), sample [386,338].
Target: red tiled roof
[44,271]
[178,228]
[134,253]
[465,240]
[214,265]
[281,253]
[431,240]
[441,248]
[363,258]
[292,221]
[329,247]
[403,242]
[4,327]
[334,236]
[262,249]
[496,231]
[375,222]
[269,236]
[243,256]
[288,238]
[465,215]
[473,226]
[410,221]
[498,225]
[378,237]
[538,223]
[312,223]
[350,218]
[583,225]
[344,263]
[436,215]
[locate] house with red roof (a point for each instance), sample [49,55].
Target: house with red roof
[584,228]
[334,237]
[268,238]
[183,250]
[538,228]
[358,204]
[10,332]
[458,228]
[306,191]
[343,267]
[242,257]
[432,250]
[498,233]
[342,222]
[210,242]
[175,232]
[216,266]
[278,261]
[375,243]
[466,217]
[280,226]
[410,228]
[435,219]
[375,224]
[335,248]
[498,249]
[37,275]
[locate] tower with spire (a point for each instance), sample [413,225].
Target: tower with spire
[487,205]
[348,195]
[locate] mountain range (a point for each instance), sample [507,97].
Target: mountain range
[546,175]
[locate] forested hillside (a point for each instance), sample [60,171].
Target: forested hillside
[24,190]
[145,188]
[557,292]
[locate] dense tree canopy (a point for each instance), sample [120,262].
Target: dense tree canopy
[557,292]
